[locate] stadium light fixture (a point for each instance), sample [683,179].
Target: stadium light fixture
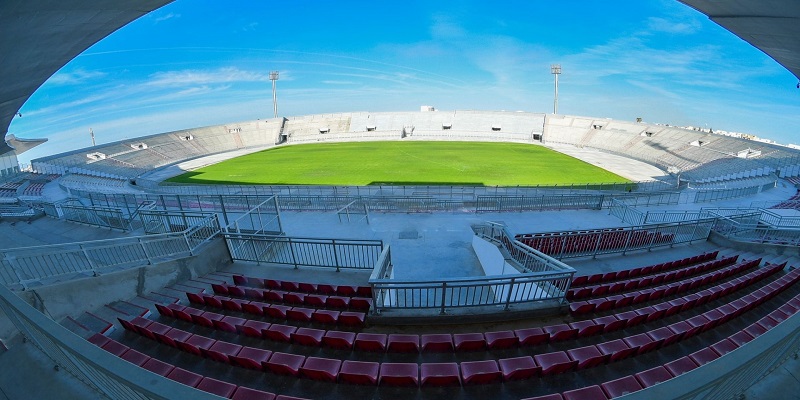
[555,69]
[273,76]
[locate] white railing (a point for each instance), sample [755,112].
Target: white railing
[264,218]
[23,266]
[111,376]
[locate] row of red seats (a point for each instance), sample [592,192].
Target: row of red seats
[647,281]
[206,384]
[606,240]
[487,371]
[305,287]
[653,376]
[622,300]
[614,322]
[295,298]
[480,341]
[584,280]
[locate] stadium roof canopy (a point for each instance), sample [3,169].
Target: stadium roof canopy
[38,37]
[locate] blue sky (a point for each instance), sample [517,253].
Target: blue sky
[203,62]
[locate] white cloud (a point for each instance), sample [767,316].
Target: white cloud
[166,17]
[201,77]
[75,77]
[683,27]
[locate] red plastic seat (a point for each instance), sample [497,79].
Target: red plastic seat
[642,343]
[371,342]
[290,286]
[217,387]
[346,291]
[206,319]
[587,328]
[469,341]
[307,336]
[306,287]
[437,342]
[164,310]
[680,366]
[620,387]
[616,349]
[326,289]
[236,305]
[339,340]
[245,393]
[321,369]
[740,338]
[403,343]
[254,328]
[361,304]
[158,367]
[197,298]
[697,324]
[253,293]
[653,376]
[315,300]
[581,307]
[273,296]
[300,314]
[704,356]
[555,363]
[351,318]
[560,332]
[440,374]
[588,393]
[285,364]
[196,344]
[254,307]
[532,336]
[519,368]
[327,317]
[134,357]
[399,374]
[251,358]
[337,302]
[174,337]
[155,329]
[276,311]
[587,357]
[364,291]
[221,351]
[724,346]
[501,339]
[603,304]
[229,323]
[480,372]
[185,377]
[679,331]
[610,323]
[280,333]
[633,318]
[554,396]
[359,372]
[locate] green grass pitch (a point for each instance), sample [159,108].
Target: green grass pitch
[402,163]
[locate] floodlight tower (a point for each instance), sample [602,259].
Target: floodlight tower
[273,76]
[555,69]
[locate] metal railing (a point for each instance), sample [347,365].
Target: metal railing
[263,218]
[329,253]
[704,196]
[111,376]
[106,217]
[777,221]
[355,211]
[526,258]
[23,266]
[169,221]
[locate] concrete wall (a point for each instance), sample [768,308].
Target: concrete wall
[72,298]
[771,249]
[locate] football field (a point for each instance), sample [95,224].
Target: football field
[402,163]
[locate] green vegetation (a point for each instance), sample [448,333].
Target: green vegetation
[402,163]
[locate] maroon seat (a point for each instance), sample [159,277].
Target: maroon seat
[254,293]
[587,357]
[306,287]
[642,343]
[222,351]
[315,300]
[339,340]
[632,318]
[272,284]
[437,342]
[587,328]
[300,314]
[251,358]
[361,304]
[480,372]
[620,387]
[532,336]
[554,396]
[276,311]
[371,342]
[321,369]
[293,298]
[326,289]
[308,336]
[157,366]
[519,368]
[439,374]
[756,329]
[501,339]
[254,328]
[206,319]
[217,387]
[704,356]
[174,336]
[603,304]
[560,332]
[290,286]
[185,377]
[555,363]
[351,318]
[588,393]
[134,357]
[696,324]
[164,310]
[273,296]
[403,343]
[653,376]
[245,393]
[229,323]
[280,333]
[680,366]
[98,339]
[740,338]
[359,372]
[616,349]
[196,344]
[580,307]
[235,291]
[399,374]
[469,341]
[285,364]
[724,346]
[346,291]
[338,302]
[197,298]
[610,323]
[328,317]
[251,307]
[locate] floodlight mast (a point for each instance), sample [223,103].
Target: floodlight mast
[273,76]
[555,69]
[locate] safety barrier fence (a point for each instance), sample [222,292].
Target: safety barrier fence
[169,221]
[705,196]
[313,252]
[528,259]
[106,217]
[264,218]
[23,266]
[776,220]
[354,211]
[111,376]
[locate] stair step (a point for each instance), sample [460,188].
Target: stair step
[130,309]
[94,323]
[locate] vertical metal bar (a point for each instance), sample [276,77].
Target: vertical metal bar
[444,290]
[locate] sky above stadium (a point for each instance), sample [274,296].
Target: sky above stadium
[202,62]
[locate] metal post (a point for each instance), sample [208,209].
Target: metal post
[444,296]
[555,69]
[273,76]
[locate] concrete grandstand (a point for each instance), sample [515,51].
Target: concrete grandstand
[685,287]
